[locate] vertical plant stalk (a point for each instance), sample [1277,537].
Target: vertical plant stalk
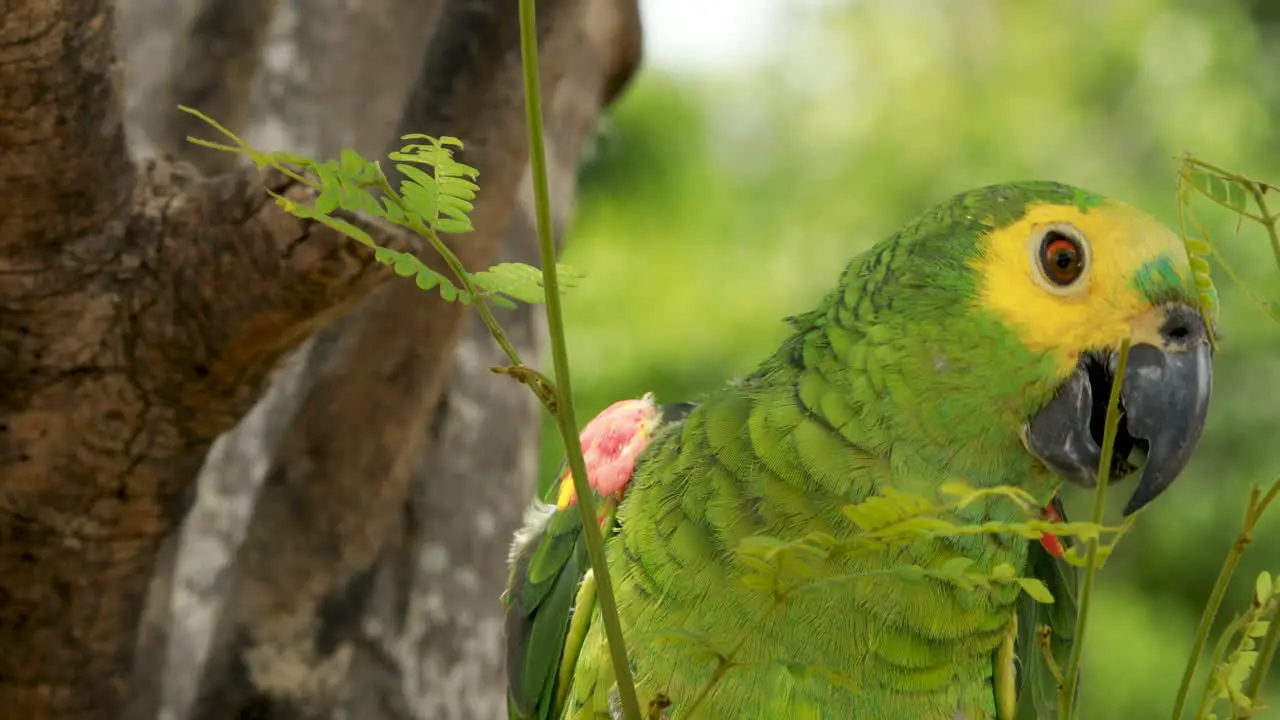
[1252,512]
[1071,676]
[565,417]
[1216,680]
[1266,652]
[1270,641]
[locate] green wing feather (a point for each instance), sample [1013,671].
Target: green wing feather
[544,580]
[1037,686]
[548,563]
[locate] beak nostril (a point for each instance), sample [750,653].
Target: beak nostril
[1182,326]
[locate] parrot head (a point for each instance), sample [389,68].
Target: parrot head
[1093,274]
[1023,295]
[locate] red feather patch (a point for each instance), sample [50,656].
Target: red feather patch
[1052,543]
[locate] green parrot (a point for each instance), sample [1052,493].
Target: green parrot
[977,344]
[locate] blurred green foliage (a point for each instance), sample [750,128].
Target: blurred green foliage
[717,204]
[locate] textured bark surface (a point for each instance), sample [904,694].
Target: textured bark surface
[382,481]
[123,357]
[144,309]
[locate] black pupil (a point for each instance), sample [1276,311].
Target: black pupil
[1062,258]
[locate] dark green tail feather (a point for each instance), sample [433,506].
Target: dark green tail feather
[537,621]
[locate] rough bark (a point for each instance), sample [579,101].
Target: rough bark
[124,358]
[299,101]
[143,311]
[339,481]
[418,653]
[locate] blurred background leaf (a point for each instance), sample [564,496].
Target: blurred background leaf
[765,144]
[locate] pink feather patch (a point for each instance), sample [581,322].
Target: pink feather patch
[611,442]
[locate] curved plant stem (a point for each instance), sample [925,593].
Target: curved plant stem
[728,662]
[1266,652]
[1256,189]
[1071,676]
[1207,617]
[536,382]
[1267,648]
[1219,652]
[1210,613]
[464,279]
[1269,220]
[560,357]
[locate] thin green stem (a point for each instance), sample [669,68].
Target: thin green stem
[242,148]
[1270,642]
[716,676]
[727,663]
[560,357]
[1228,206]
[1257,190]
[464,278]
[1257,506]
[1266,651]
[1258,302]
[1044,638]
[1066,700]
[1210,613]
[1219,652]
[836,580]
[1242,213]
[482,306]
[1197,162]
[1259,196]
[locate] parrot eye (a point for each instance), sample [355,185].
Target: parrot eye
[1062,258]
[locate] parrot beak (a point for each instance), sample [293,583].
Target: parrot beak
[1164,401]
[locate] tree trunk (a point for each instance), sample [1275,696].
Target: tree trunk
[146,308]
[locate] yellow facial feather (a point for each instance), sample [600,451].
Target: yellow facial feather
[1101,308]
